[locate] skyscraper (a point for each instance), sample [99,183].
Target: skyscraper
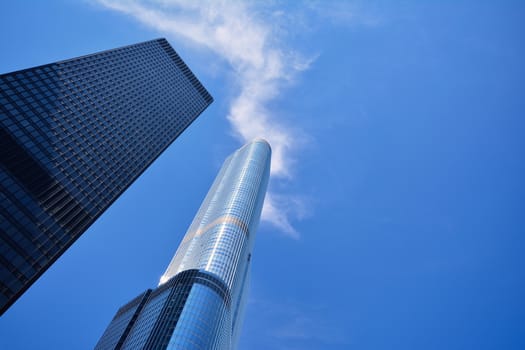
[73,136]
[200,299]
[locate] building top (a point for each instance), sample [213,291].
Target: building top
[74,135]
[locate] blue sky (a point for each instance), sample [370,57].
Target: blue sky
[395,218]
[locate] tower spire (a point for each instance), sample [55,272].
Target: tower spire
[201,296]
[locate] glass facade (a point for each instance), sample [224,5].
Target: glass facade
[199,302]
[73,136]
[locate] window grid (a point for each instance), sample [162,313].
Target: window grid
[74,135]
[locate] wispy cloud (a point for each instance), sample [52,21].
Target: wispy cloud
[279,208]
[247,39]
[290,325]
[345,13]
[303,327]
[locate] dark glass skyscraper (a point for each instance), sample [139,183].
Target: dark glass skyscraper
[73,136]
[199,302]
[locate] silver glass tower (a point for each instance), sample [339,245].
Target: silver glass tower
[200,298]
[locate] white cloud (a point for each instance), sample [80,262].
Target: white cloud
[279,208]
[261,67]
[277,215]
[290,325]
